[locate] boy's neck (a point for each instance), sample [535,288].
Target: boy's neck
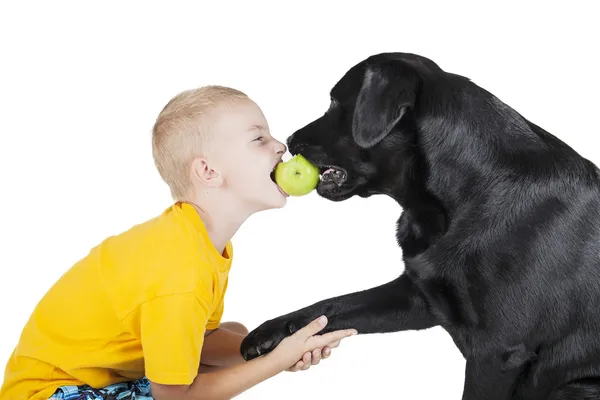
[221,221]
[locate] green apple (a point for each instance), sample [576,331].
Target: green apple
[297,176]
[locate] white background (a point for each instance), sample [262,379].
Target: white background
[81,85]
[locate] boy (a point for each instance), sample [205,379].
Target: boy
[139,315]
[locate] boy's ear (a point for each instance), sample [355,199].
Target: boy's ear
[202,172]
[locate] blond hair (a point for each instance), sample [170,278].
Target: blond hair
[182,132]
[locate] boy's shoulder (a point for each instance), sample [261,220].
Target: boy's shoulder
[165,255]
[169,231]
[172,227]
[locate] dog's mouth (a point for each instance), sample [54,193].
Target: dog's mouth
[331,175]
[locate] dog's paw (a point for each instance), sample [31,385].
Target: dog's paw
[266,337]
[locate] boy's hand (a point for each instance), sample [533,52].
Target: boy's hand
[305,348]
[313,358]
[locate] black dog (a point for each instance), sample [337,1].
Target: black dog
[500,231]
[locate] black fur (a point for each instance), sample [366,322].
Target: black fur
[500,230]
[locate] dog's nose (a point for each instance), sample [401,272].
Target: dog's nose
[296,148]
[290,143]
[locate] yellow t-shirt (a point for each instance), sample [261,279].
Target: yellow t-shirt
[137,305]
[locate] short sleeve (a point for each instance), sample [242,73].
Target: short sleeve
[172,334]
[215,319]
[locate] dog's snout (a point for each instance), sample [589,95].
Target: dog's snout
[295,147]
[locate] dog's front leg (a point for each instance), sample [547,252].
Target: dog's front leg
[490,378]
[395,306]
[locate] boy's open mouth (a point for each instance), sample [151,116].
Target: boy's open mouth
[273,179]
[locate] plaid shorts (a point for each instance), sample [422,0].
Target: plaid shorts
[134,390]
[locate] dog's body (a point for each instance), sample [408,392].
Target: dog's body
[500,230]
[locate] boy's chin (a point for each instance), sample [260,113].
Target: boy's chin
[273,201]
[276,201]
[279,203]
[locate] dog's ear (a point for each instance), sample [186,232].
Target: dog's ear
[388,91]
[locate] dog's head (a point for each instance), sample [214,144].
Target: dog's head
[370,128]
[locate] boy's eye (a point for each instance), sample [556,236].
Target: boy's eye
[259,139]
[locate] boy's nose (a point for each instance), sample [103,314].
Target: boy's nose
[281,148]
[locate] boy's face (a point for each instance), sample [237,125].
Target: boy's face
[245,154]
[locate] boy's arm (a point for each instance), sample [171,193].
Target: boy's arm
[221,384]
[172,332]
[222,345]
[230,382]
[222,348]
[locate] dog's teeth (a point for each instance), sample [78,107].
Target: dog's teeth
[340,175]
